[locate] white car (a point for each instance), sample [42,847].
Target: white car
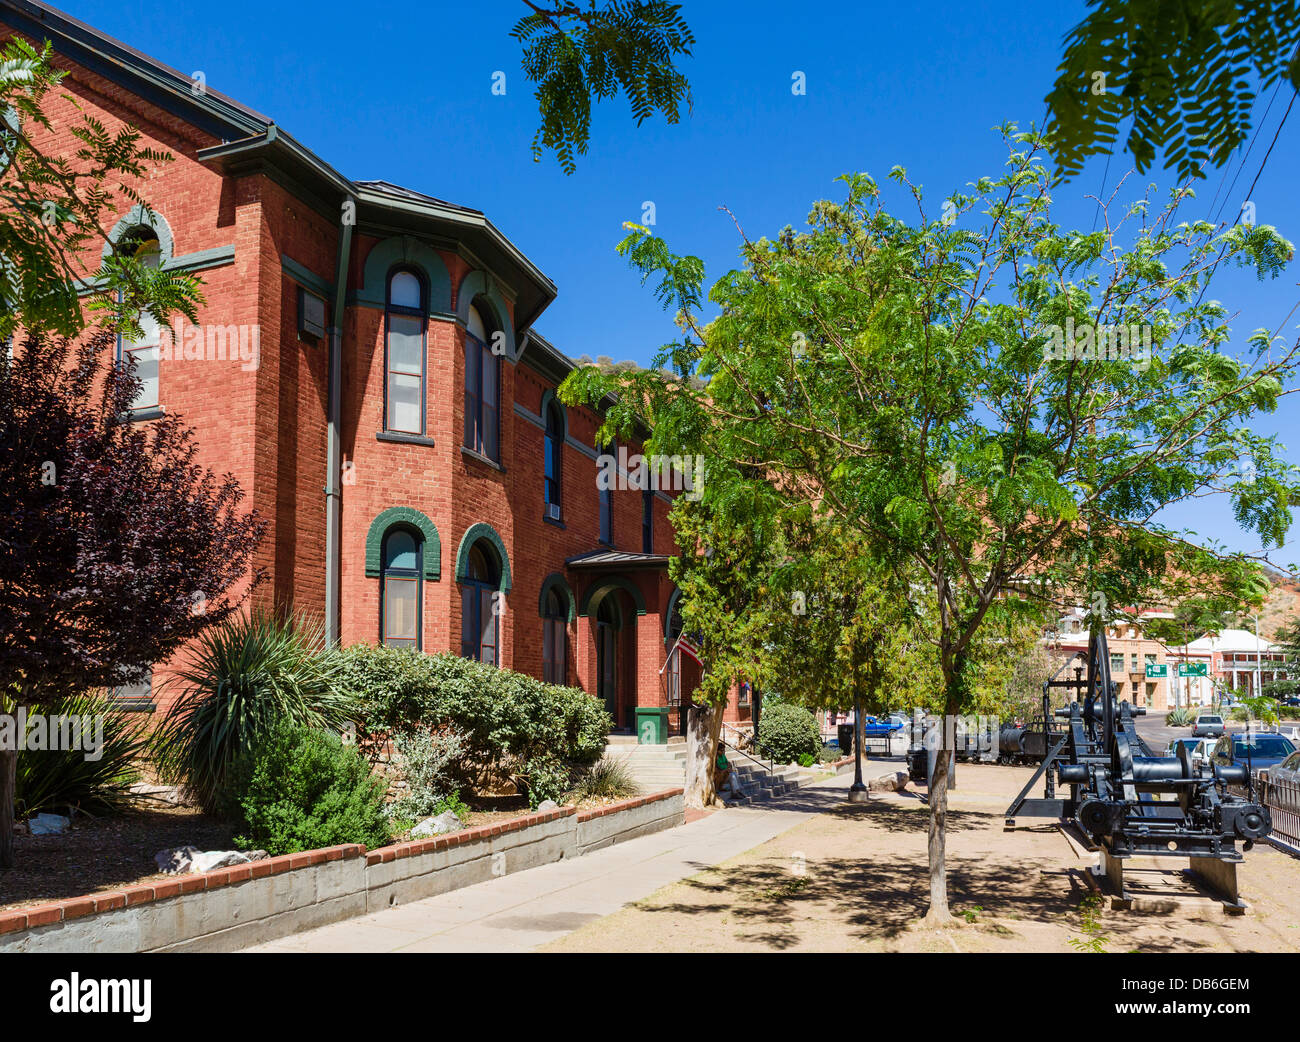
[1200,749]
[1208,725]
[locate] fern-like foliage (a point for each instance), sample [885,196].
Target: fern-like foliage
[1186,72]
[56,206]
[576,54]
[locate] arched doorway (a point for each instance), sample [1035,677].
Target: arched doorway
[609,623]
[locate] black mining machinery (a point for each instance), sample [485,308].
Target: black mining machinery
[1128,802]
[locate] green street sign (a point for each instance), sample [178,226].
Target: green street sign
[1193,669]
[1154,671]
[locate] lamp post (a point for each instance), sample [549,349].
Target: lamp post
[857,791]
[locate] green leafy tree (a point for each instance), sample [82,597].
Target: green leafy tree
[1180,71]
[54,209]
[954,389]
[578,54]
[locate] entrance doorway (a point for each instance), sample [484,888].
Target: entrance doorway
[608,624]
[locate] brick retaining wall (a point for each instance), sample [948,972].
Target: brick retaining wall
[232,908]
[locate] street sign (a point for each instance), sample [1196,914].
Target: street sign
[1193,669]
[1154,671]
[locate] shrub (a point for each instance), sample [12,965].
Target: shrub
[610,778]
[787,731]
[299,789]
[249,676]
[1180,717]
[430,768]
[541,736]
[66,779]
[807,760]
[829,754]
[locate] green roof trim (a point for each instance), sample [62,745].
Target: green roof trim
[475,532]
[403,516]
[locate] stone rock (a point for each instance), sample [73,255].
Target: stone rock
[895,782]
[176,860]
[444,822]
[547,805]
[191,859]
[48,824]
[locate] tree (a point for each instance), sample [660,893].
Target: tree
[1181,71]
[1288,640]
[1000,404]
[117,547]
[576,55]
[54,207]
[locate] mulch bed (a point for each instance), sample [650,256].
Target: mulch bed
[99,855]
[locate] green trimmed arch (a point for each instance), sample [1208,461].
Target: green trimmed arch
[140,216]
[475,532]
[403,516]
[549,396]
[404,251]
[557,581]
[476,285]
[673,598]
[597,590]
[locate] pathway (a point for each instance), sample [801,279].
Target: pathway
[522,911]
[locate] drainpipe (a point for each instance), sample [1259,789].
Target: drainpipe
[333,441]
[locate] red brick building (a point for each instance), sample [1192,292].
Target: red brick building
[367,365]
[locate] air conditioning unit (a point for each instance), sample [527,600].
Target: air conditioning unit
[311,314]
[553,511]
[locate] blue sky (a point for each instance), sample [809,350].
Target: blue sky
[403,93]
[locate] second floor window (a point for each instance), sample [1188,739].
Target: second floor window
[607,505]
[554,453]
[482,388]
[405,353]
[647,521]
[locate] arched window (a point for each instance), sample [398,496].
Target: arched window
[401,606]
[404,319]
[555,632]
[143,351]
[554,452]
[479,622]
[607,496]
[482,387]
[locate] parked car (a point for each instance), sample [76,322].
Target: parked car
[1260,749]
[1200,749]
[873,727]
[1208,725]
[1283,784]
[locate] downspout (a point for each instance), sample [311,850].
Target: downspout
[333,438]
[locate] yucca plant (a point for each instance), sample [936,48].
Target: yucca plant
[67,779]
[1179,717]
[249,676]
[609,778]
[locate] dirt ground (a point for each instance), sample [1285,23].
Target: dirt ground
[856,880]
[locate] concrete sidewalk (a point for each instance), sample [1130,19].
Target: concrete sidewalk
[523,911]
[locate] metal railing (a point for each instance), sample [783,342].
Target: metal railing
[747,743]
[1282,797]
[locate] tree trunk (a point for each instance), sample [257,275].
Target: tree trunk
[8,790]
[703,725]
[936,848]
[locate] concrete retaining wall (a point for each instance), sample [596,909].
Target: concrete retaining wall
[233,908]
